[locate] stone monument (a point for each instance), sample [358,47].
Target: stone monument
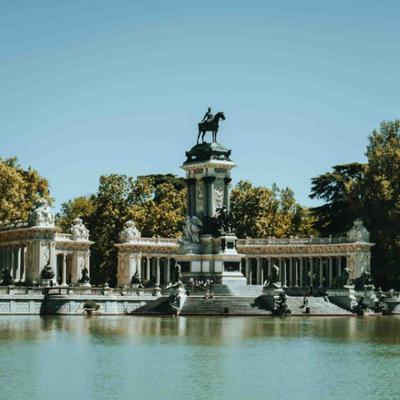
[208,245]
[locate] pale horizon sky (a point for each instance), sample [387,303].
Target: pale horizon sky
[96,87]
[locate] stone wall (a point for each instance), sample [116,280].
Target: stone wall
[72,305]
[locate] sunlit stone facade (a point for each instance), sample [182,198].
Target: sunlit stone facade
[302,262]
[26,248]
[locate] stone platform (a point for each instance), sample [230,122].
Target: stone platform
[227,300]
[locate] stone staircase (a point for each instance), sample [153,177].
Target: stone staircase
[196,305]
[245,290]
[318,306]
[219,290]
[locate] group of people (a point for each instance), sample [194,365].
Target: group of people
[206,285]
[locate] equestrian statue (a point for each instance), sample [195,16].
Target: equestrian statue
[210,123]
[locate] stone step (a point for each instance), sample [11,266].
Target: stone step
[222,306]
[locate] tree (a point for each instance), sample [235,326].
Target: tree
[382,197]
[342,189]
[263,212]
[82,207]
[370,191]
[19,190]
[155,202]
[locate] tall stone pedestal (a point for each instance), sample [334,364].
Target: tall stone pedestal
[208,247]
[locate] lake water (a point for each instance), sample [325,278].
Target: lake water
[199,358]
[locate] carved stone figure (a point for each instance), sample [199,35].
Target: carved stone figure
[135,280]
[79,230]
[343,279]
[273,279]
[210,123]
[280,305]
[6,278]
[358,232]
[199,196]
[219,194]
[177,291]
[41,215]
[85,276]
[129,233]
[47,272]
[192,229]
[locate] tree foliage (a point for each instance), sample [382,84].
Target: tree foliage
[19,190]
[342,189]
[263,212]
[155,202]
[370,191]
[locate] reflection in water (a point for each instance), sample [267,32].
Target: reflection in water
[199,357]
[206,330]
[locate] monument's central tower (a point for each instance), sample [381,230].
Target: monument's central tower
[208,244]
[208,177]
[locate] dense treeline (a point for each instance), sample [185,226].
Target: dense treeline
[370,191]
[19,190]
[157,204]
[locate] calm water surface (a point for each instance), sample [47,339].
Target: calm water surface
[199,358]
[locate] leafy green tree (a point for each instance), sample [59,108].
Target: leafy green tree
[342,191]
[263,212]
[19,190]
[382,200]
[370,191]
[82,207]
[155,202]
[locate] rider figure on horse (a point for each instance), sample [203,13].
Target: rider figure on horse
[208,116]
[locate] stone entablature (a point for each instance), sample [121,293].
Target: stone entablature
[302,249]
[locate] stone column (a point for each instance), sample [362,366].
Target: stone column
[168,269]
[18,269]
[284,272]
[296,272]
[301,267]
[139,266]
[148,259]
[23,263]
[12,261]
[64,270]
[227,182]
[339,266]
[262,272]
[191,196]
[291,272]
[158,271]
[258,270]
[311,272]
[321,272]
[330,273]
[208,180]
[269,266]
[247,261]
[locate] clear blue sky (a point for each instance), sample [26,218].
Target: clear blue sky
[95,87]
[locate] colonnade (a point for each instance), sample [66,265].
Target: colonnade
[14,259]
[155,268]
[296,271]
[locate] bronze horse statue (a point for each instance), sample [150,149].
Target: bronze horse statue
[210,126]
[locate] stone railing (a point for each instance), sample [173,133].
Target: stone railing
[78,291]
[153,241]
[13,225]
[292,240]
[63,236]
